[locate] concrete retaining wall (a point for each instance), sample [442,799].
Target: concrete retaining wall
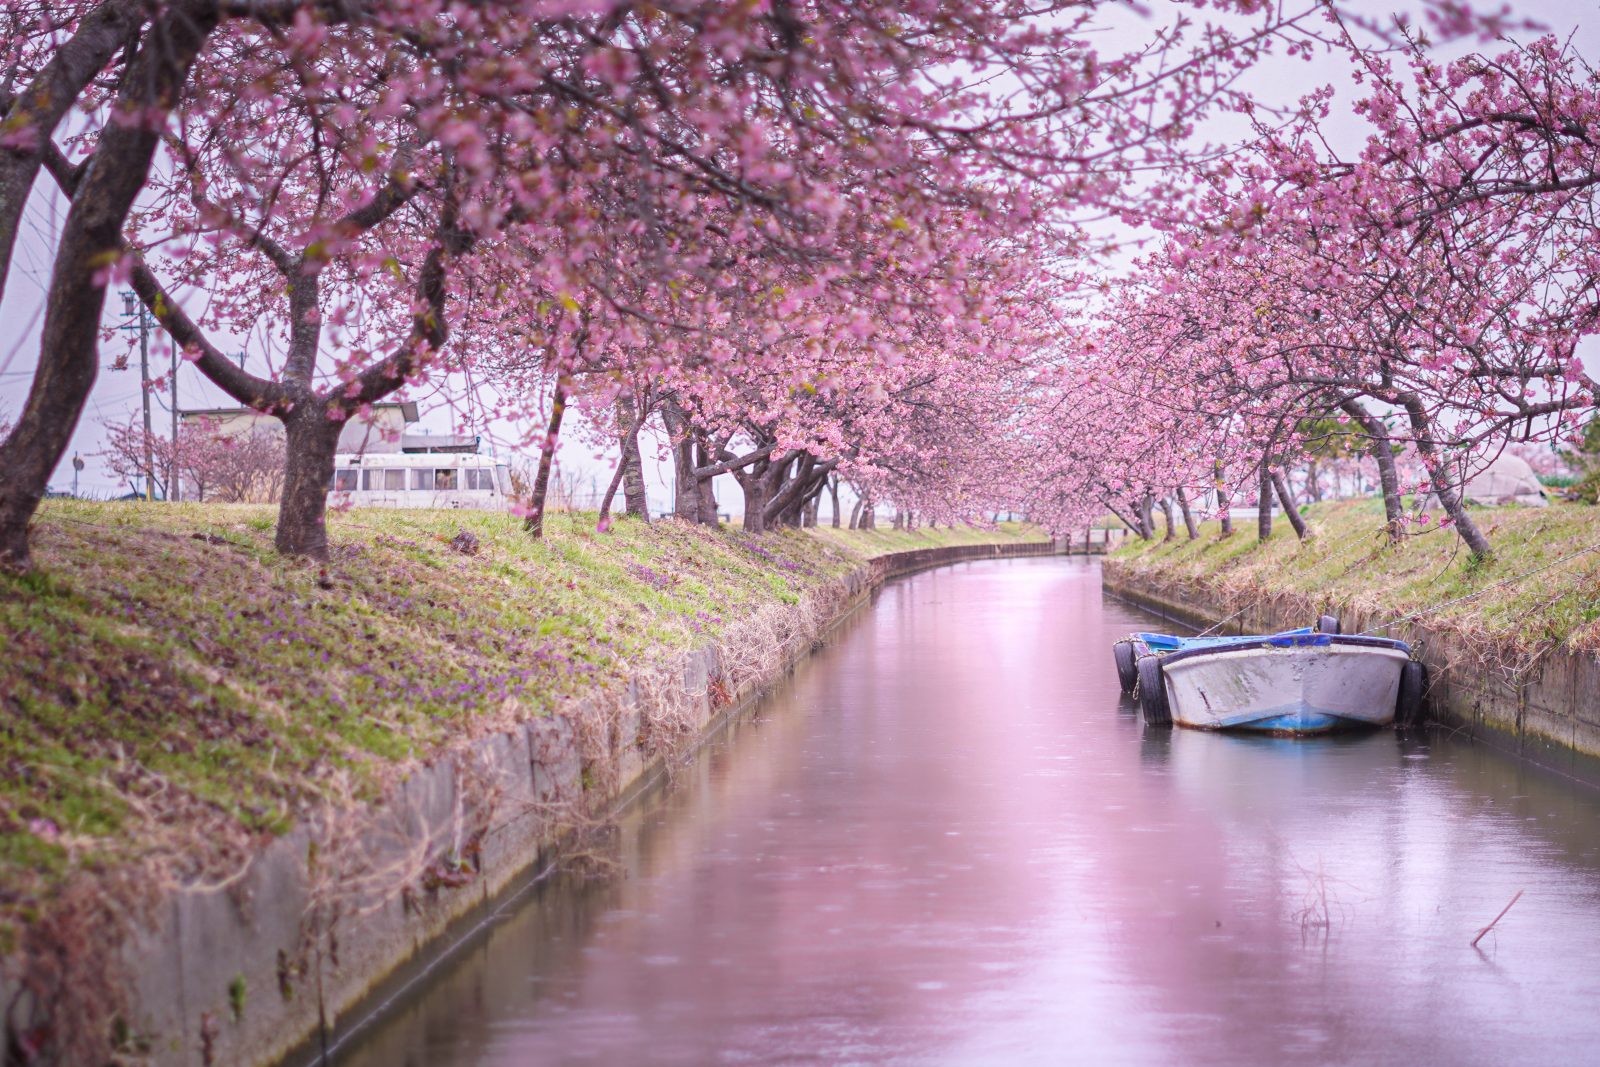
[1545,708]
[325,922]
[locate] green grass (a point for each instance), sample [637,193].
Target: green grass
[168,679]
[1511,597]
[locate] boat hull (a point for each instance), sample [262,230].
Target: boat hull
[1307,688]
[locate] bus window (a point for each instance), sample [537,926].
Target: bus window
[371,479]
[444,478]
[480,478]
[422,478]
[344,481]
[394,481]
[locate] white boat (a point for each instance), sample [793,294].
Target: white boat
[1296,682]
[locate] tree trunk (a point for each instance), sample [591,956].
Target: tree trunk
[604,522]
[1166,513]
[312,439]
[707,491]
[1132,526]
[754,505]
[633,492]
[1264,504]
[1443,484]
[91,236]
[1147,520]
[1383,453]
[1219,481]
[685,483]
[753,483]
[855,515]
[788,492]
[1188,515]
[1290,512]
[533,524]
[833,491]
[812,502]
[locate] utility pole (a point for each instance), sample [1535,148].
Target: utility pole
[77,467]
[131,305]
[172,460]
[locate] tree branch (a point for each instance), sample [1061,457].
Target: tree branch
[263,395]
[734,463]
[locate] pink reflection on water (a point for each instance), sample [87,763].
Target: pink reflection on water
[947,841]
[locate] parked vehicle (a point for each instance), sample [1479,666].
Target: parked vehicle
[420,480]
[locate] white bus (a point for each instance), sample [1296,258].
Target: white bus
[419,480]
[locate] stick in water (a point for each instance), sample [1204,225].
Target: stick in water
[1496,919]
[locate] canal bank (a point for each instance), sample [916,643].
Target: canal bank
[228,942]
[946,838]
[1510,647]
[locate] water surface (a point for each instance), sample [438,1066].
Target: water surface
[949,841]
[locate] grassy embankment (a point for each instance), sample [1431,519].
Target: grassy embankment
[1348,562]
[170,685]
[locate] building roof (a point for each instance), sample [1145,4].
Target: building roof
[438,442]
[408,410]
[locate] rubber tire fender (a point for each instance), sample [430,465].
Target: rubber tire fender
[1123,655]
[1152,692]
[1408,703]
[1328,624]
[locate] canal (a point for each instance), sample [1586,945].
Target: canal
[949,840]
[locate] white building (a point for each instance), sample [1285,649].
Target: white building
[381,464]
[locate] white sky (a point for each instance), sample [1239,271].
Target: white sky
[116,394]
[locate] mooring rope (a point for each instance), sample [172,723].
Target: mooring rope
[1419,613]
[1224,622]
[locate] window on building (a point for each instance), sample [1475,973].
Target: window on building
[394,481]
[422,478]
[345,481]
[444,479]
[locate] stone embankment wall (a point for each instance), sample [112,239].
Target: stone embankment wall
[318,927]
[1543,704]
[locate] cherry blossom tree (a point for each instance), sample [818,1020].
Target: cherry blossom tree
[1430,292]
[391,187]
[210,463]
[137,456]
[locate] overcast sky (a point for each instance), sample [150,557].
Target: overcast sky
[116,395]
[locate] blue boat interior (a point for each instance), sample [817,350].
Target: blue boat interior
[1305,637]
[1169,643]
